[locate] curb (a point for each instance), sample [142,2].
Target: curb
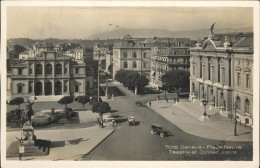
[94,147]
[228,139]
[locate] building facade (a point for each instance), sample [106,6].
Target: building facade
[49,74]
[131,54]
[222,74]
[167,57]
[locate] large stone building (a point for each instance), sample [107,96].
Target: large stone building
[222,74]
[132,54]
[49,74]
[173,55]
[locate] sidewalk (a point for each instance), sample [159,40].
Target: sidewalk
[68,144]
[186,115]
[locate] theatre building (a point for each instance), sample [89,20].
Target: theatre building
[221,72]
[49,74]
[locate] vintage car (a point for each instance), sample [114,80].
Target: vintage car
[131,121]
[107,117]
[158,129]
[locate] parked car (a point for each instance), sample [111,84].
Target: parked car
[158,129]
[131,120]
[108,117]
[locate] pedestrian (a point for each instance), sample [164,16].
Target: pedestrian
[172,112]
[21,151]
[158,97]
[101,124]
[167,100]
[150,103]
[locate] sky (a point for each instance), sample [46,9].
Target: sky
[82,22]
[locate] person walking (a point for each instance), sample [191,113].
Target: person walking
[150,103]
[172,112]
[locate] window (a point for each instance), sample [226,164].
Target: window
[30,70]
[193,69]
[65,86]
[124,54]
[144,65]
[30,86]
[247,81]
[222,75]
[211,73]
[247,106]
[20,71]
[134,55]
[48,69]
[76,88]
[125,64]
[134,64]
[238,79]
[145,55]
[238,101]
[20,88]
[38,69]
[65,69]
[76,70]
[58,69]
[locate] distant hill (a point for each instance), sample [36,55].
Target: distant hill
[136,33]
[149,33]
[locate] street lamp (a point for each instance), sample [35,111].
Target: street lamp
[235,129]
[106,86]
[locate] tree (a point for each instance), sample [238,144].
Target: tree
[82,100]
[132,79]
[65,100]
[17,101]
[110,69]
[175,80]
[101,108]
[93,100]
[17,50]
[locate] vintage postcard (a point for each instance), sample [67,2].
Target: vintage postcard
[131,84]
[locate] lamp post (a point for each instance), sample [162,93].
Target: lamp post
[235,129]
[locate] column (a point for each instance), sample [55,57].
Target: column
[53,69]
[53,86]
[62,69]
[62,86]
[43,87]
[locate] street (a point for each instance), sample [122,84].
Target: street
[137,143]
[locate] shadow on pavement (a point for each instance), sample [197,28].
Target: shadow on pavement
[56,144]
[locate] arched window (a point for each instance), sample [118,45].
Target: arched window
[238,102]
[58,69]
[134,55]
[134,64]
[125,64]
[124,54]
[48,69]
[247,106]
[19,88]
[39,69]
